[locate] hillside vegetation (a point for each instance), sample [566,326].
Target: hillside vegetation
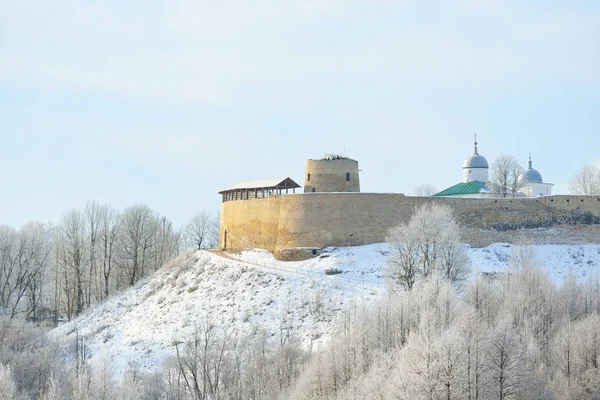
[203,327]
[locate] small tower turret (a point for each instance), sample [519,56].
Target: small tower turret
[332,173]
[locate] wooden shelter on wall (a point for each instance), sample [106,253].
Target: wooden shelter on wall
[259,189]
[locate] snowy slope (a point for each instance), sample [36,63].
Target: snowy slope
[559,261]
[141,324]
[367,263]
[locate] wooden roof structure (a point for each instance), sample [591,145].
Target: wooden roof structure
[256,189]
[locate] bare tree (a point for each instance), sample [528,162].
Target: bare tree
[586,181]
[474,345]
[92,221]
[215,226]
[504,179]
[404,259]
[72,232]
[8,264]
[425,190]
[564,353]
[203,360]
[23,260]
[505,363]
[453,260]
[138,239]
[452,354]
[110,224]
[166,242]
[39,248]
[198,231]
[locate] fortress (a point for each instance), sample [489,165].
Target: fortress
[332,211]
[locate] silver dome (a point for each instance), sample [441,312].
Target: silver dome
[475,161]
[531,175]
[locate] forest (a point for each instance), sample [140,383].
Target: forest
[55,272]
[437,333]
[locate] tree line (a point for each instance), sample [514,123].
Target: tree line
[504,179]
[505,171]
[435,335]
[514,335]
[510,335]
[57,271]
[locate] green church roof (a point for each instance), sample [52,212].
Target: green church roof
[474,187]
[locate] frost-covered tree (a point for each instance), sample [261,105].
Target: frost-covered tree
[585,181]
[482,294]
[451,351]
[53,392]
[505,363]
[473,340]
[425,190]
[564,353]
[203,361]
[420,372]
[32,357]
[8,388]
[428,243]
[404,260]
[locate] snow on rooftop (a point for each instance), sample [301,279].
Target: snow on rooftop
[262,183]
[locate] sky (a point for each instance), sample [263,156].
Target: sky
[165,103]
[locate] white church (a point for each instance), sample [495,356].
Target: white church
[476,177]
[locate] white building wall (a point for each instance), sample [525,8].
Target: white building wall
[475,174]
[534,189]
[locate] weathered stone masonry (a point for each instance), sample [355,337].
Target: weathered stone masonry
[289,223]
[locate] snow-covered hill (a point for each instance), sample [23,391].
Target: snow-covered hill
[141,324]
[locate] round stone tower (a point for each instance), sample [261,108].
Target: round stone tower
[331,174]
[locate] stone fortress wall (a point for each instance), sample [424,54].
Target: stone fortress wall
[292,226]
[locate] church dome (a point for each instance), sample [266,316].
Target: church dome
[475,168]
[531,175]
[476,160]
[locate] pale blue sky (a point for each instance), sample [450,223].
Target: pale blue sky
[167,102]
